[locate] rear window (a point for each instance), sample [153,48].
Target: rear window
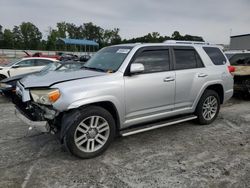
[240,59]
[215,55]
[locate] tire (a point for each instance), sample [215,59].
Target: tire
[91,133]
[208,107]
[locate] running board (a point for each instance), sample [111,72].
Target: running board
[156,125]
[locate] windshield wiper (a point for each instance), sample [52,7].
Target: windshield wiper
[94,68]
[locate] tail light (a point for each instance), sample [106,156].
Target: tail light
[231,69]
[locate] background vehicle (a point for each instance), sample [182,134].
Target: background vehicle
[8,85]
[25,65]
[39,54]
[127,89]
[240,59]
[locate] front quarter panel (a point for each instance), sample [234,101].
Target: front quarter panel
[77,93]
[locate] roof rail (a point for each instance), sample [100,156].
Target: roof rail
[185,42]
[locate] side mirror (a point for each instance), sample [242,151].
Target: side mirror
[15,66]
[136,68]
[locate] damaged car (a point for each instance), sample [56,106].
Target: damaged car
[240,59]
[8,85]
[124,90]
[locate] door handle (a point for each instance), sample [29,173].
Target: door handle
[169,79]
[202,75]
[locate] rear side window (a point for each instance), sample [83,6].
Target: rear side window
[187,59]
[240,59]
[154,60]
[215,55]
[26,63]
[42,62]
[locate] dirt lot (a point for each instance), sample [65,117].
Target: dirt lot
[183,155]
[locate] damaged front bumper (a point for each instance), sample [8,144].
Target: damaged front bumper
[38,117]
[41,126]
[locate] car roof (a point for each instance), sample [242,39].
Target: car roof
[45,58]
[171,43]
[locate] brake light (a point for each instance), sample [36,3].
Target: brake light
[231,69]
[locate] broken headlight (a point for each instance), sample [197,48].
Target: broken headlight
[45,96]
[4,85]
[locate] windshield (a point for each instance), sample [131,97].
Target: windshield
[108,59]
[51,67]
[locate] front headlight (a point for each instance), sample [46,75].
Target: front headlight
[4,85]
[45,96]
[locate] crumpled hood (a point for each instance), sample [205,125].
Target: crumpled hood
[47,79]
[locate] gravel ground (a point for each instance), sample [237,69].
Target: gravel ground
[183,155]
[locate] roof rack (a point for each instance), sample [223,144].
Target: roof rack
[185,42]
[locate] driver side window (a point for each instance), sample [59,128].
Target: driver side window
[26,63]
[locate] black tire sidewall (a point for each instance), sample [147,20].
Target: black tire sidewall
[86,112]
[207,93]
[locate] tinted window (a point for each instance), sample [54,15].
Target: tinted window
[42,62]
[215,55]
[187,59]
[240,59]
[26,63]
[154,60]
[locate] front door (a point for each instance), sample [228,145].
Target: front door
[150,94]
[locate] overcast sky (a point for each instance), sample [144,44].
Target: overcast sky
[214,20]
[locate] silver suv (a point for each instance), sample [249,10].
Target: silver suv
[124,90]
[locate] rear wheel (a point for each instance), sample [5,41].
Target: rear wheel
[208,107]
[91,133]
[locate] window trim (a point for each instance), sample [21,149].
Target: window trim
[186,48]
[150,48]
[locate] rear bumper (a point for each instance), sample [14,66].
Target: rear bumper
[228,94]
[42,126]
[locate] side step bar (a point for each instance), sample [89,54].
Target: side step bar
[148,127]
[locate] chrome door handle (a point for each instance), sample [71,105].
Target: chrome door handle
[169,79]
[202,75]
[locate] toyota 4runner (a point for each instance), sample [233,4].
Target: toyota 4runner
[124,90]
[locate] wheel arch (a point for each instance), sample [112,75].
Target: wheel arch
[218,88]
[67,117]
[215,86]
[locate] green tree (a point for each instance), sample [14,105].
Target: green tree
[17,38]
[30,35]
[8,41]
[62,29]
[51,39]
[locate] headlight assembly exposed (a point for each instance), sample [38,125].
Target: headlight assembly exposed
[45,96]
[4,85]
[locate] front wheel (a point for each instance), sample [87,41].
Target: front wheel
[208,107]
[91,133]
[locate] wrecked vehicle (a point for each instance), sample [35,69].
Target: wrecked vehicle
[240,59]
[8,85]
[124,90]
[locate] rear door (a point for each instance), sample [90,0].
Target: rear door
[190,76]
[151,92]
[41,63]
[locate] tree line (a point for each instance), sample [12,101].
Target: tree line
[27,36]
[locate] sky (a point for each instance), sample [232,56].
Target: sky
[214,20]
